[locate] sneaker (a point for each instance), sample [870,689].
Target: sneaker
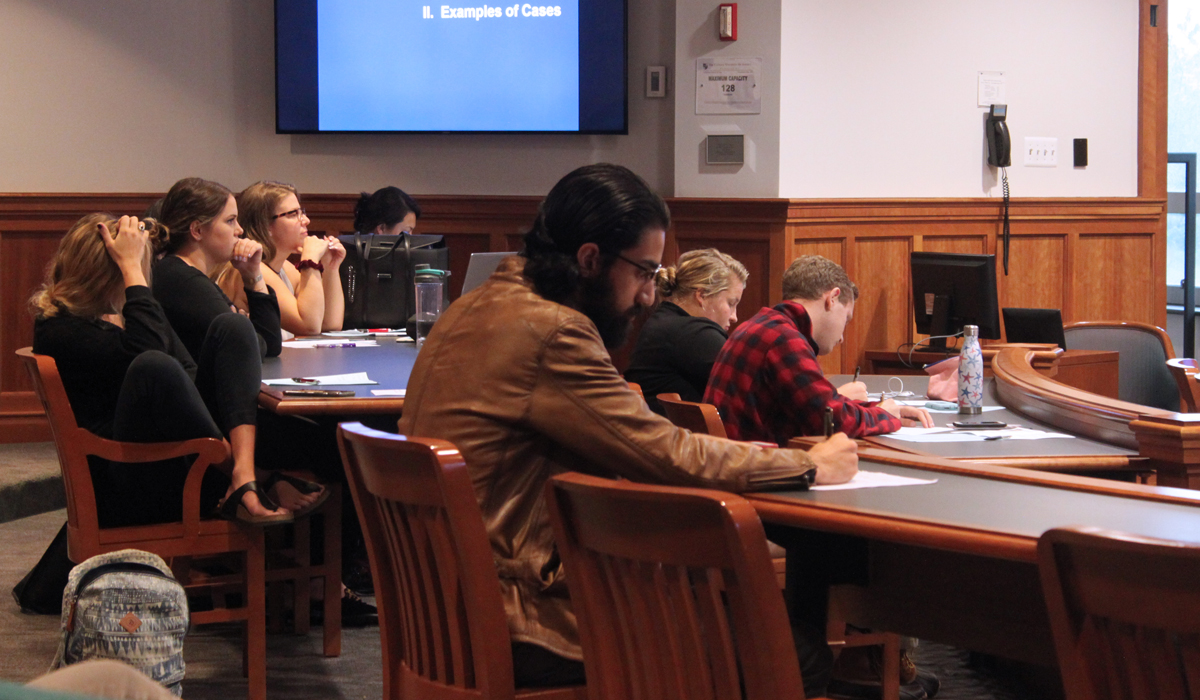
[358,578]
[858,671]
[870,690]
[356,612]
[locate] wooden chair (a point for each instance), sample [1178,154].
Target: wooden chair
[1125,612]
[1142,377]
[697,417]
[1183,371]
[636,387]
[705,419]
[674,592]
[442,624]
[191,537]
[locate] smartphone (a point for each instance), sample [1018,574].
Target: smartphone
[980,424]
[318,392]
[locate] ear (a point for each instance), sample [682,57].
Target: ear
[831,297]
[590,260]
[195,230]
[698,297]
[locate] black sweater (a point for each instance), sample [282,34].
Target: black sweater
[674,354]
[92,355]
[191,301]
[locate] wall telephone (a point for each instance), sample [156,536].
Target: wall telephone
[998,142]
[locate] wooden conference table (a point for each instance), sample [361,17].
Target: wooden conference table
[389,363]
[954,561]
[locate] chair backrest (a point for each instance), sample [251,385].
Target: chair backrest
[1183,370]
[442,622]
[696,417]
[75,444]
[1143,375]
[636,387]
[1125,612]
[674,591]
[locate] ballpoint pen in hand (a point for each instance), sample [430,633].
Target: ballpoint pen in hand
[828,421]
[856,372]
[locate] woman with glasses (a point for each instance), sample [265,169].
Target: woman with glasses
[309,292]
[680,341]
[389,210]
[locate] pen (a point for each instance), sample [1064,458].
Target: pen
[856,371]
[335,345]
[828,421]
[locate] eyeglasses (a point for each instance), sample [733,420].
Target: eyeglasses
[293,214]
[646,273]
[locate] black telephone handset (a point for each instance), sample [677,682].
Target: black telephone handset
[999,144]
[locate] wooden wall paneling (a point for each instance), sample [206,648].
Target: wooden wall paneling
[24,256]
[882,316]
[801,243]
[1113,274]
[1036,273]
[971,245]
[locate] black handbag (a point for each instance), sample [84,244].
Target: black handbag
[377,276]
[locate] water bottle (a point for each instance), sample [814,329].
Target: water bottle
[428,283]
[970,372]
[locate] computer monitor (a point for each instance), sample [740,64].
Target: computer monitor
[1034,326]
[952,290]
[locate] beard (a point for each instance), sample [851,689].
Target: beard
[599,304]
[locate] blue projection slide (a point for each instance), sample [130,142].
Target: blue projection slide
[420,65]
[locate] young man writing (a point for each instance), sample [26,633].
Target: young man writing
[767,382]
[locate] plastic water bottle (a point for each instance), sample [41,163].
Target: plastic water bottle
[970,372]
[428,287]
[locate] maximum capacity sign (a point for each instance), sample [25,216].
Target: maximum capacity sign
[728,85]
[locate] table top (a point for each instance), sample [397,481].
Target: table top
[390,364]
[1068,450]
[997,510]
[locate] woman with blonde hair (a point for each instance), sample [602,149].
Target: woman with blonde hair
[127,374]
[680,341]
[310,292]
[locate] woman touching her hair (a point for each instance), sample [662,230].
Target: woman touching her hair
[128,375]
[309,293]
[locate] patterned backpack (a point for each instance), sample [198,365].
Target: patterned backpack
[127,606]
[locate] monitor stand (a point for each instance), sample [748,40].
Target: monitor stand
[939,323]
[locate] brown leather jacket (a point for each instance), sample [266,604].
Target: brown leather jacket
[525,389]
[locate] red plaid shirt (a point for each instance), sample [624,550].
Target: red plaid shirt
[768,385]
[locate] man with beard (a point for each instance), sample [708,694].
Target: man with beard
[517,375]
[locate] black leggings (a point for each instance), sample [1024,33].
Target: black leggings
[160,403]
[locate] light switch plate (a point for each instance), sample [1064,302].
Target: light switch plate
[1041,151]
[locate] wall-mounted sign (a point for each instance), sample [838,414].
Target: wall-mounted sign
[728,85]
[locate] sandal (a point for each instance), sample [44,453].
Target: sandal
[304,486]
[232,508]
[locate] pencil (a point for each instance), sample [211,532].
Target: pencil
[828,421]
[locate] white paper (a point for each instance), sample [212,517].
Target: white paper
[728,85]
[931,435]
[388,392]
[312,344]
[325,380]
[363,333]
[870,480]
[991,88]
[921,403]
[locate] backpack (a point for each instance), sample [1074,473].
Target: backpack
[127,606]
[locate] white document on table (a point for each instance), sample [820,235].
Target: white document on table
[388,392]
[326,380]
[311,344]
[870,480]
[930,435]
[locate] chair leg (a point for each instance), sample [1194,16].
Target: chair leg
[302,547]
[256,622]
[333,572]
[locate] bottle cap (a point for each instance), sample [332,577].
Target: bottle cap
[970,331]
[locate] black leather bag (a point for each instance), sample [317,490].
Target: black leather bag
[377,276]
